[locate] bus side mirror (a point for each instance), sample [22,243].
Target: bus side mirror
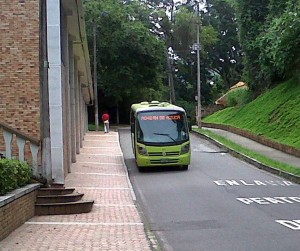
[189,120]
[190,126]
[132,128]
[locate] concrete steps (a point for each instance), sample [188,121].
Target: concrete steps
[56,201]
[59,198]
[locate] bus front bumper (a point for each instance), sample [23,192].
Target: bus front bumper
[180,160]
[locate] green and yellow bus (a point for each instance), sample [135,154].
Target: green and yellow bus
[160,135]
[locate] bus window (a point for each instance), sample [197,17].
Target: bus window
[164,127]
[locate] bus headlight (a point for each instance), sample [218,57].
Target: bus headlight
[185,149]
[142,150]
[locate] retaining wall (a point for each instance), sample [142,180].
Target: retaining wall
[16,208]
[258,138]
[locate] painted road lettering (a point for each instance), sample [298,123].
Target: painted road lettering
[254,183]
[292,224]
[270,200]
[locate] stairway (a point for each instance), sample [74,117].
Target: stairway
[55,201]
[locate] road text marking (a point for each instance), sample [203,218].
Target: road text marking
[292,224]
[270,200]
[254,183]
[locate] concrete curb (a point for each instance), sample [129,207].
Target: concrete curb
[286,175]
[133,196]
[258,138]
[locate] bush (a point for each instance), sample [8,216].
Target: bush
[238,97]
[13,174]
[189,107]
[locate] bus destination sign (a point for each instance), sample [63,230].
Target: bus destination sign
[161,117]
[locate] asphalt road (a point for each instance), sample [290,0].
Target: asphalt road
[220,203]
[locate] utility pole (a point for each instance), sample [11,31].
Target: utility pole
[95,79]
[171,80]
[198,78]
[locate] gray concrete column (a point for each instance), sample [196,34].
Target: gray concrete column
[66,94]
[72,102]
[55,89]
[80,113]
[77,102]
[81,118]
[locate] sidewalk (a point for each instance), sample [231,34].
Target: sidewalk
[257,147]
[114,223]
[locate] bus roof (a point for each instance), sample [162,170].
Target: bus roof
[154,105]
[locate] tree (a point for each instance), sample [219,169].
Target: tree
[130,57]
[184,36]
[280,42]
[224,58]
[269,35]
[251,17]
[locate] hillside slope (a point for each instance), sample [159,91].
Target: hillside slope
[275,114]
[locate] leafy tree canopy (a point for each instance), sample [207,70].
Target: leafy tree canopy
[270,37]
[130,57]
[280,43]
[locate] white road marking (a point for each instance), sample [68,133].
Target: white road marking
[104,188]
[101,154]
[270,200]
[102,135]
[97,163]
[113,205]
[108,141]
[103,174]
[98,147]
[292,224]
[254,183]
[84,223]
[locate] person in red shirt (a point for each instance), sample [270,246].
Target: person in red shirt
[105,118]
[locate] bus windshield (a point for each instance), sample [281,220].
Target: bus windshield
[162,127]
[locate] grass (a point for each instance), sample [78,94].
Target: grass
[249,153]
[92,127]
[274,114]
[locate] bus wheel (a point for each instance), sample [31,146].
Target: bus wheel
[184,167]
[142,168]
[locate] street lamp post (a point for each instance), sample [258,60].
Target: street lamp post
[95,79]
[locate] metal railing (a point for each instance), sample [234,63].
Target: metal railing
[21,139]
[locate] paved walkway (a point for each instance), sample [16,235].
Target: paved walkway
[259,148]
[114,223]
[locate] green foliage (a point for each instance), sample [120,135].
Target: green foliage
[225,57]
[13,174]
[276,7]
[220,61]
[92,127]
[280,43]
[251,16]
[184,31]
[209,36]
[274,114]
[132,42]
[238,97]
[269,35]
[218,88]
[130,58]
[189,108]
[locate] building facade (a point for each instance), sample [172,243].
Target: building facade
[45,84]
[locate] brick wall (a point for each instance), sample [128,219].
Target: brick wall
[19,66]
[15,213]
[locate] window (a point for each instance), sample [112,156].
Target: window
[167,127]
